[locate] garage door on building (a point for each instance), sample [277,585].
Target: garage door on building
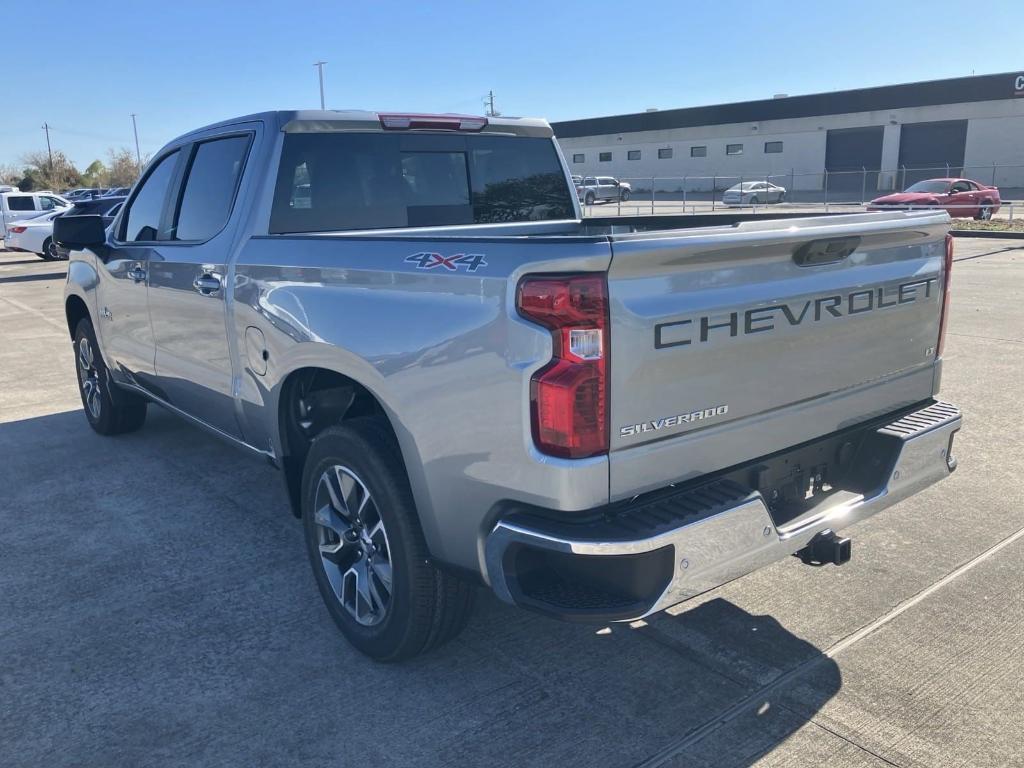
[928,150]
[853,157]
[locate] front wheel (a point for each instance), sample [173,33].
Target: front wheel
[753,201]
[782,197]
[109,409]
[367,549]
[589,199]
[624,195]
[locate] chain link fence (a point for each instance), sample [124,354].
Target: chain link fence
[703,193]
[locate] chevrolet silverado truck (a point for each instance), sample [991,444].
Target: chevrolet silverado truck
[464,382]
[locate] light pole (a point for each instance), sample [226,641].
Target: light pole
[138,155]
[320,70]
[49,152]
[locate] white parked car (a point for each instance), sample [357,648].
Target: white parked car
[16,206]
[34,235]
[754,193]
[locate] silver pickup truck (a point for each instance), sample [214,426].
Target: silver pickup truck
[462,381]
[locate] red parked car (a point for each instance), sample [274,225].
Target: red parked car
[960,197]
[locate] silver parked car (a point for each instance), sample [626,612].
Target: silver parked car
[602,188]
[754,193]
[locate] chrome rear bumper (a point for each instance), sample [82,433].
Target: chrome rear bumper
[715,532]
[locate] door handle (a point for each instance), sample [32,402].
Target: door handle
[206,284]
[137,274]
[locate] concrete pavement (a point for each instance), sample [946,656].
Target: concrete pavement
[156,606]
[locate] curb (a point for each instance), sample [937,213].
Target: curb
[987,233]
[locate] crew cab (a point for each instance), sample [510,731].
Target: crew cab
[464,382]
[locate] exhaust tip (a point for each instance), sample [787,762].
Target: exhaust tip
[825,548]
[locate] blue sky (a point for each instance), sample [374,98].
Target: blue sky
[83,67]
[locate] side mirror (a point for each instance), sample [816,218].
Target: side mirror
[78,232]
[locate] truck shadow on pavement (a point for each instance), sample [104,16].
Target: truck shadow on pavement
[156,606]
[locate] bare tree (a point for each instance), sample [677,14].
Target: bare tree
[122,168]
[10,174]
[42,173]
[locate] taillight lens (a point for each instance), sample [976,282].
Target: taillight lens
[18,230]
[947,274]
[569,395]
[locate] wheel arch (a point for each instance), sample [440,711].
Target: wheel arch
[311,399]
[75,310]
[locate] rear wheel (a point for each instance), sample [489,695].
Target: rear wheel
[50,250]
[985,211]
[367,549]
[753,200]
[589,199]
[109,409]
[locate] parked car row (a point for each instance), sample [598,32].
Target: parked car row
[35,234]
[16,206]
[91,193]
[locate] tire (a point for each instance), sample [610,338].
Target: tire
[624,195]
[753,200]
[109,409]
[46,255]
[782,197]
[358,464]
[589,198]
[50,250]
[985,211]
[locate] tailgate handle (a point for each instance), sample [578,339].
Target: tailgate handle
[827,251]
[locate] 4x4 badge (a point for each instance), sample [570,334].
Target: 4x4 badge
[430,260]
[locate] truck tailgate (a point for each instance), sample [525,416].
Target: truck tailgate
[730,343]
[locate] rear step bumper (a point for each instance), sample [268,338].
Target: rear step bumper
[653,553]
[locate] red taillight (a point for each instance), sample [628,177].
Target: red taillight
[569,395]
[947,268]
[393,122]
[18,230]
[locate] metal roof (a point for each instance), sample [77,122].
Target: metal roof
[924,94]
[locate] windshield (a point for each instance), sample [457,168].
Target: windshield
[930,187]
[344,181]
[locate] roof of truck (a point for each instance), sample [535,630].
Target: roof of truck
[309,120]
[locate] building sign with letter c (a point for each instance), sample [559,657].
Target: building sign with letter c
[1018,86]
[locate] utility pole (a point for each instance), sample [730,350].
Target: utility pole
[49,151]
[320,70]
[489,102]
[138,155]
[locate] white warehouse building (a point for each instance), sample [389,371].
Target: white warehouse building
[845,142]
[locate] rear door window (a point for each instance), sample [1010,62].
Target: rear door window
[345,181]
[210,187]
